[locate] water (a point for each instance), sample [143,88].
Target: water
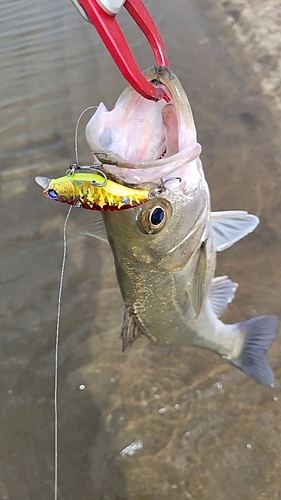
[196,428]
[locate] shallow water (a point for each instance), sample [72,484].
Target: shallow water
[207,431]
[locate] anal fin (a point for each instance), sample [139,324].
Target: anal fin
[131,329]
[221,293]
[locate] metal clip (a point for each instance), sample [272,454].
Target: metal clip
[94,168]
[102,14]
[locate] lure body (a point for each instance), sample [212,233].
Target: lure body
[92,191]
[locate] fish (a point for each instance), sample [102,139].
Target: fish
[91,191]
[155,213]
[165,249]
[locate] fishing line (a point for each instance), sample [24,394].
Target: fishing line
[57,350]
[59,316]
[76,131]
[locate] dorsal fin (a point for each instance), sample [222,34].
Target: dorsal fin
[221,293]
[231,226]
[95,228]
[131,329]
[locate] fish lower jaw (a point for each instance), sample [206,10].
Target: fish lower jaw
[132,173]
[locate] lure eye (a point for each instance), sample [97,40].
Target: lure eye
[153,219]
[52,194]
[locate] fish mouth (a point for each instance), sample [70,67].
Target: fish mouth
[141,140]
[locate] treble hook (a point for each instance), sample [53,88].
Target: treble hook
[162,188]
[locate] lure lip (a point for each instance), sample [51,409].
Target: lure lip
[42,181]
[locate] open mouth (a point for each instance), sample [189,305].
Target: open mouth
[141,140]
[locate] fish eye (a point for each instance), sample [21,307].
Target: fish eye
[52,194]
[154,218]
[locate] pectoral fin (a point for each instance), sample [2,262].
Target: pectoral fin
[131,329]
[231,226]
[95,228]
[221,293]
[196,290]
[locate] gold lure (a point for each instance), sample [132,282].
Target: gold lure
[92,191]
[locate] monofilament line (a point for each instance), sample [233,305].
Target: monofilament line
[57,351]
[76,132]
[59,313]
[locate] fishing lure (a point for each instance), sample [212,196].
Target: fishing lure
[92,191]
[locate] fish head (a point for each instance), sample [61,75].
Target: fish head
[163,232]
[142,141]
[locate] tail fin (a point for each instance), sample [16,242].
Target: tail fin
[259,334]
